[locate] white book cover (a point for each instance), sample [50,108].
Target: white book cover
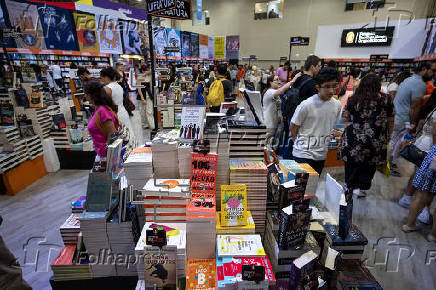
[166,186]
[72,222]
[240,245]
[191,125]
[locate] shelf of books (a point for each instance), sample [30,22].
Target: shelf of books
[182,213]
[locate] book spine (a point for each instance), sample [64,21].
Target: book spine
[283,229]
[345,219]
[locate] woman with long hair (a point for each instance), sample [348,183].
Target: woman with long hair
[392,88]
[369,116]
[104,121]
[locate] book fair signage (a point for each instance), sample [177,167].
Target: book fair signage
[378,36]
[160,5]
[181,10]
[379,57]
[298,40]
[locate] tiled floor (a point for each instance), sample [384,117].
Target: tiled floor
[399,261]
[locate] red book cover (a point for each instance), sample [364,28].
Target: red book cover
[65,256]
[219,273]
[203,175]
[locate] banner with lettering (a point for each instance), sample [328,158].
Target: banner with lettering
[220,47]
[186,44]
[203,50]
[86,32]
[232,47]
[211,47]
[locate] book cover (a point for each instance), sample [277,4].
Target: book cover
[191,124]
[302,274]
[65,256]
[239,245]
[21,98]
[353,271]
[99,192]
[201,274]
[301,179]
[359,285]
[293,226]
[72,222]
[345,216]
[289,192]
[26,128]
[59,122]
[233,205]
[160,267]
[273,189]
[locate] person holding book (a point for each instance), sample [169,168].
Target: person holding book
[104,121]
[369,116]
[313,121]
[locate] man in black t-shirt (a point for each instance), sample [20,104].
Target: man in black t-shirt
[227,84]
[311,69]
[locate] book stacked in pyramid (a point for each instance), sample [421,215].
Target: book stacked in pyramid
[291,170]
[70,229]
[93,228]
[351,247]
[138,167]
[165,200]
[302,274]
[69,265]
[248,228]
[184,155]
[201,274]
[254,175]
[176,237]
[165,156]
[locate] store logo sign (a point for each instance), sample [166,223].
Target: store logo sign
[350,37]
[379,36]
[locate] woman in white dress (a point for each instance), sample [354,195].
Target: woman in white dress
[108,77]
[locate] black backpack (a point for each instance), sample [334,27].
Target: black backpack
[291,99]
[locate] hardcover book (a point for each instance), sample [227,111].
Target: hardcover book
[354,237]
[289,193]
[345,216]
[201,274]
[293,226]
[191,125]
[233,205]
[239,246]
[273,193]
[302,274]
[160,268]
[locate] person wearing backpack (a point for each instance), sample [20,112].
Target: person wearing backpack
[220,89]
[306,83]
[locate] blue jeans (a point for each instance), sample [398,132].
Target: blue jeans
[318,165]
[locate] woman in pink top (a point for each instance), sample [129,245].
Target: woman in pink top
[104,120]
[348,84]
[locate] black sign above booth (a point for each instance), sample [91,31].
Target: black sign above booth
[364,37]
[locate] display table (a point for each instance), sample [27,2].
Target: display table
[70,159]
[119,282]
[24,175]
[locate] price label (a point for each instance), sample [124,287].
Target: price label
[156,237]
[253,273]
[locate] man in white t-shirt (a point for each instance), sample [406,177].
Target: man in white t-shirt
[314,119]
[57,74]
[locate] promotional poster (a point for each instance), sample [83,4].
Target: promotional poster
[194,44]
[203,46]
[108,34]
[24,16]
[143,37]
[232,47]
[4,22]
[131,42]
[220,47]
[58,27]
[160,39]
[211,47]
[86,32]
[173,40]
[186,44]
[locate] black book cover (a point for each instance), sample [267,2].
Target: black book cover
[298,227]
[288,195]
[345,218]
[301,179]
[273,181]
[21,98]
[26,128]
[355,236]
[304,277]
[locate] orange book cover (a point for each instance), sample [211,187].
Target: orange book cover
[201,207]
[200,274]
[65,256]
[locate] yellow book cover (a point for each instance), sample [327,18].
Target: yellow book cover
[233,205]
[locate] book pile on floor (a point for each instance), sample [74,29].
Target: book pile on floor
[184,158]
[70,229]
[69,265]
[165,157]
[138,167]
[165,200]
[254,175]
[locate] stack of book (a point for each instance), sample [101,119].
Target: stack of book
[351,247]
[165,200]
[138,167]
[69,265]
[79,205]
[70,229]
[176,237]
[247,140]
[352,274]
[60,138]
[247,229]
[202,236]
[254,175]
[93,228]
[239,246]
[289,170]
[165,156]
[34,147]
[41,120]
[8,136]
[9,161]
[21,150]
[122,244]
[184,156]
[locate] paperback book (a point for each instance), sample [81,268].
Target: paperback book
[191,125]
[201,274]
[294,225]
[160,268]
[233,205]
[240,246]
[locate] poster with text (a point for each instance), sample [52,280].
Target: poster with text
[159,39]
[203,41]
[232,47]
[220,47]
[194,44]
[143,37]
[109,35]
[130,37]
[4,22]
[211,47]
[58,26]
[24,17]
[173,40]
[203,175]
[186,44]
[86,32]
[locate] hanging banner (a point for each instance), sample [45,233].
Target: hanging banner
[108,34]
[181,11]
[186,44]
[131,42]
[220,47]
[173,42]
[58,26]
[86,32]
[9,42]
[199,9]
[194,44]
[211,47]
[129,11]
[144,39]
[25,18]
[232,47]
[159,39]
[160,5]
[203,41]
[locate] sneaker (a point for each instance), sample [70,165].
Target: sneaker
[362,194]
[431,238]
[408,229]
[424,216]
[405,201]
[356,191]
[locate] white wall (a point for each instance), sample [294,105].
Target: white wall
[407,42]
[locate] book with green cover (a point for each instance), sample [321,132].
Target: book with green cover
[233,205]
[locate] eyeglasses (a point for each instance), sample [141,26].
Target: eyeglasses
[276,80]
[334,87]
